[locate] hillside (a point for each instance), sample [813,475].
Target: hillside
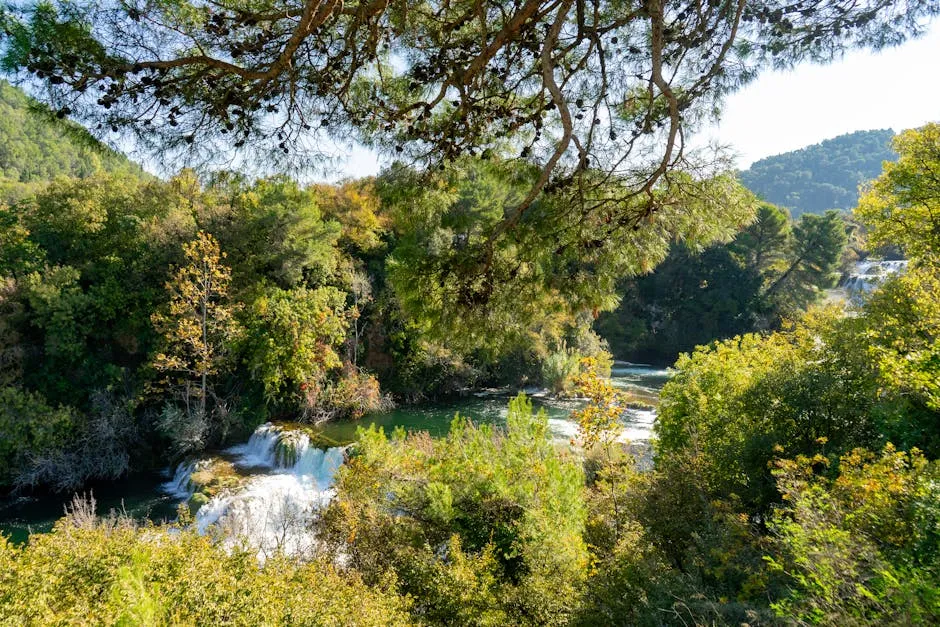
[33,149]
[822,176]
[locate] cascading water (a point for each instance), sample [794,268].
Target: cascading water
[639,425]
[181,484]
[286,481]
[869,274]
[272,510]
[244,487]
[259,449]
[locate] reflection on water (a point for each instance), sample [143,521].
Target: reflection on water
[641,382]
[146,497]
[139,496]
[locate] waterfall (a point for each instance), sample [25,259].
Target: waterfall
[868,274]
[269,513]
[285,450]
[319,465]
[273,509]
[260,447]
[181,485]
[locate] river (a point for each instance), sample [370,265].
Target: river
[305,479]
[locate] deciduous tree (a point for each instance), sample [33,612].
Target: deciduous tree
[902,206]
[198,327]
[597,98]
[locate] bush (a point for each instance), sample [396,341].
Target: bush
[862,549]
[559,370]
[30,429]
[187,431]
[664,553]
[353,395]
[497,513]
[99,449]
[115,574]
[741,403]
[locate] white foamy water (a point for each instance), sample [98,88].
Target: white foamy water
[868,275]
[269,513]
[259,450]
[274,510]
[181,485]
[637,427]
[563,429]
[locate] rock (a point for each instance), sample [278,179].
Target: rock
[214,476]
[196,501]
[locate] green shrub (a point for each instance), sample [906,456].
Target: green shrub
[559,370]
[119,575]
[30,428]
[862,549]
[501,512]
[741,403]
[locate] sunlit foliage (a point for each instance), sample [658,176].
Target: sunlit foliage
[199,324]
[483,525]
[862,549]
[293,337]
[111,573]
[902,206]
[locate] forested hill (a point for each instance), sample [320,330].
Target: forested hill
[822,176]
[32,149]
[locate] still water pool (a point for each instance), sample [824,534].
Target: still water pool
[146,497]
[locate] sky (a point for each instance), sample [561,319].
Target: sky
[898,88]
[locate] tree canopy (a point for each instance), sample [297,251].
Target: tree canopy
[34,149]
[902,206]
[772,270]
[572,87]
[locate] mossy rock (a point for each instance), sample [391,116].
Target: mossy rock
[196,501]
[215,476]
[317,438]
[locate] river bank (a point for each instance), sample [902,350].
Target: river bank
[271,482]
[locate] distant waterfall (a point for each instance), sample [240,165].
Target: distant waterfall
[868,275]
[274,508]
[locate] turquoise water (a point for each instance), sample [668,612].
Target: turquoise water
[143,497]
[489,407]
[138,496]
[435,418]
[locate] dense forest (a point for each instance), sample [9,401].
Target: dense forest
[773,269]
[145,320]
[36,147]
[144,317]
[696,296]
[823,176]
[539,210]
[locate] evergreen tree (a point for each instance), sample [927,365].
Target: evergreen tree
[816,250]
[763,244]
[823,176]
[596,104]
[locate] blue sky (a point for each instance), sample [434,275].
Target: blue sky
[897,88]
